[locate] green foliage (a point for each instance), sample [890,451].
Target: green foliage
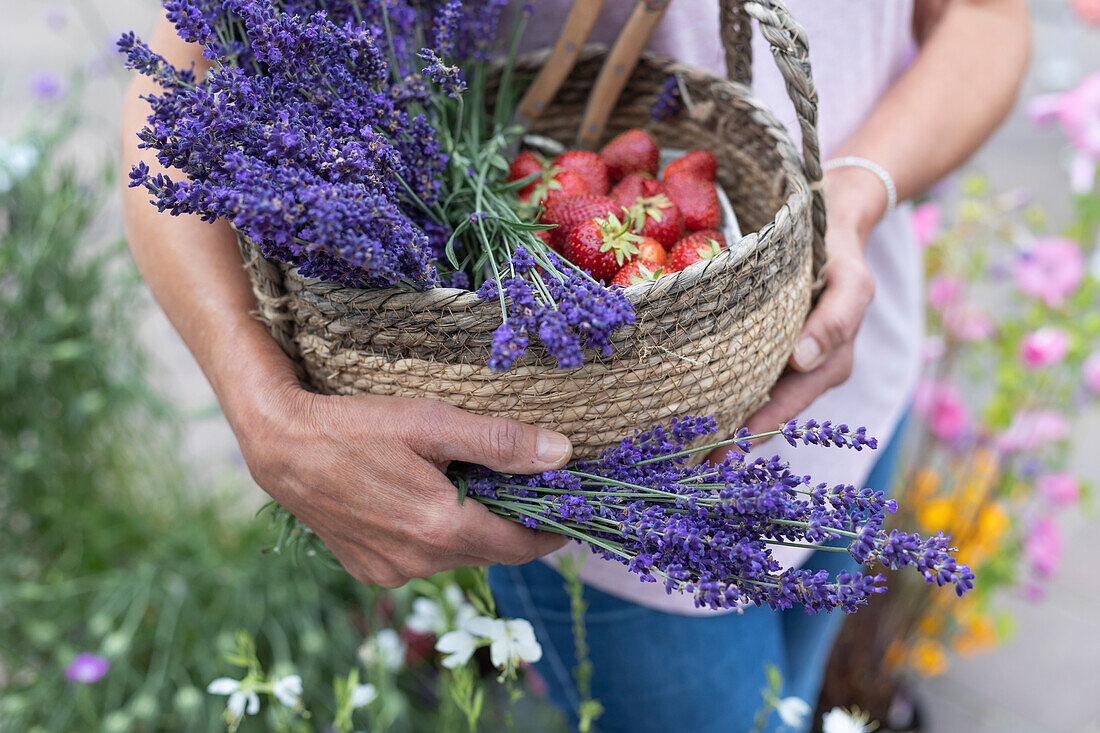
[103,547]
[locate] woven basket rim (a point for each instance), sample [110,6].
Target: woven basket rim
[799,197]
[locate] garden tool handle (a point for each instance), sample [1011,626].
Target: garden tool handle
[617,70]
[578,26]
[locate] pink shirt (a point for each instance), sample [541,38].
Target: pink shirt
[857,48]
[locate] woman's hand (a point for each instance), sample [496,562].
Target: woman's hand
[366,474]
[823,355]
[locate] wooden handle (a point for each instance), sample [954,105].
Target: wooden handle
[578,26]
[618,68]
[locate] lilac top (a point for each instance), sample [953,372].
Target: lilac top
[857,48]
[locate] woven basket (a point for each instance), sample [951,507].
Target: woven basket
[711,339]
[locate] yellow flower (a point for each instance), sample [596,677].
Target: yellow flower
[977,635]
[993,522]
[895,655]
[928,657]
[936,514]
[925,483]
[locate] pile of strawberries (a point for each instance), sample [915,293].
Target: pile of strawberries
[611,215]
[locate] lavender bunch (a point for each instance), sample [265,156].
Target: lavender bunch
[709,529]
[354,140]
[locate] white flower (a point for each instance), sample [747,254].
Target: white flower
[288,690]
[513,640]
[457,646]
[239,702]
[427,617]
[431,617]
[363,695]
[385,648]
[793,711]
[839,720]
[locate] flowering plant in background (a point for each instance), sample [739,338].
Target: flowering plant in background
[987,455]
[353,140]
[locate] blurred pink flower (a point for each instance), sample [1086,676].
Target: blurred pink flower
[1086,10]
[926,223]
[1031,429]
[1078,113]
[968,322]
[87,668]
[933,349]
[1043,547]
[940,404]
[1044,348]
[1090,373]
[945,291]
[1051,271]
[1060,489]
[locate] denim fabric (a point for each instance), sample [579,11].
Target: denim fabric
[662,672]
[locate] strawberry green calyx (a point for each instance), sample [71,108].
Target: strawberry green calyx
[618,239]
[653,208]
[710,249]
[646,275]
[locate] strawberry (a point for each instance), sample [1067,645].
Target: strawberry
[568,213]
[601,246]
[650,250]
[526,164]
[586,165]
[633,151]
[699,164]
[635,186]
[560,185]
[697,199]
[659,218]
[638,271]
[695,248]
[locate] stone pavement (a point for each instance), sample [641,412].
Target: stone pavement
[1047,680]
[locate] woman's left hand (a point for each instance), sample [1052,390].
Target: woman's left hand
[823,356]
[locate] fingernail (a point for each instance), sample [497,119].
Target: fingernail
[807,353]
[553,448]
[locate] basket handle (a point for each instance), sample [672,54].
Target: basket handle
[790,48]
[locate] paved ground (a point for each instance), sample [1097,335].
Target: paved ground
[1046,680]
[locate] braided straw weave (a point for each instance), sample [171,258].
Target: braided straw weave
[712,339]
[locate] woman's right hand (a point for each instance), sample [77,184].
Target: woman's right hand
[366,474]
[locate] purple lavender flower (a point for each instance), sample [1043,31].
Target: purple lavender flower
[709,530]
[87,668]
[668,102]
[46,86]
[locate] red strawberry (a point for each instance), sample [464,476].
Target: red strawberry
[635,186]
[697,199]
[695,248]
[561,185]
[601,246]
[659,218]
[638,271]
[633,151]
[698,164]
[650,250]
[568,213]
[526,164]
[586,165]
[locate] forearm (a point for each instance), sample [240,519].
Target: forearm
[961,87]
[194,269]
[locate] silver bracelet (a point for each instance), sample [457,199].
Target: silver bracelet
[853,161]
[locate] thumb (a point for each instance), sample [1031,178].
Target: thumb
[508,446]
[836,319]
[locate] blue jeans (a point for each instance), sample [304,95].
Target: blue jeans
[660,672]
